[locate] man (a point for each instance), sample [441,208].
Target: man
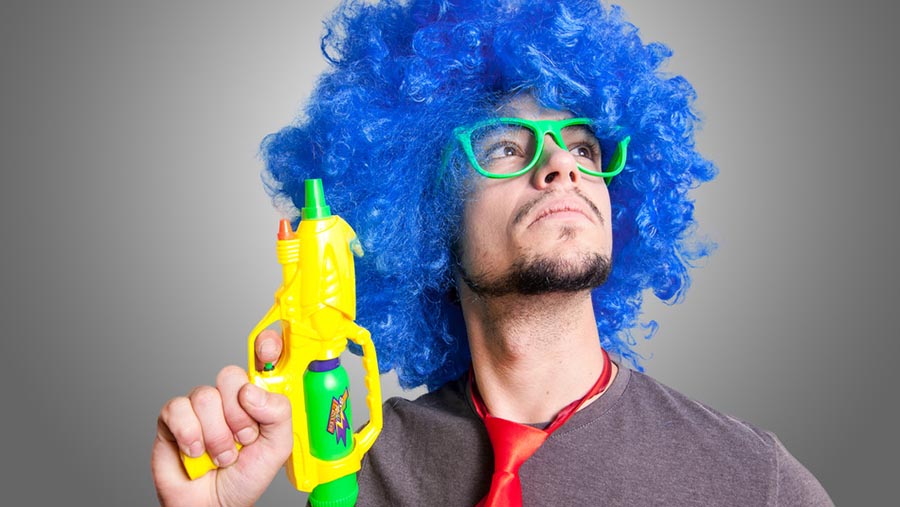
[478,150]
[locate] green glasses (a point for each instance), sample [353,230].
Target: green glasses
[510,147]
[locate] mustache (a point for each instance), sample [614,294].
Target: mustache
[530,205]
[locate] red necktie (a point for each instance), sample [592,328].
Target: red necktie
[514,443]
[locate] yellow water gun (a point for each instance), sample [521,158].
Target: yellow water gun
[317,307]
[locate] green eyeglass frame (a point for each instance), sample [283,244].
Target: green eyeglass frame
[540,129]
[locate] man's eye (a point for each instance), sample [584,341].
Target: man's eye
[583,151]
[503,150]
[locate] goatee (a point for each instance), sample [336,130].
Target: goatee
[537,276]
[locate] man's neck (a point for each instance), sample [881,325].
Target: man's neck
[532,355]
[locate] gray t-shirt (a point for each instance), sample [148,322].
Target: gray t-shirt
[641,443]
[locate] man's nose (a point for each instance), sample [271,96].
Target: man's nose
[556,166]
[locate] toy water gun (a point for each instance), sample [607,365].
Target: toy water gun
[317,308]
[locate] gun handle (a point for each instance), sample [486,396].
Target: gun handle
[199,466]
[367,435]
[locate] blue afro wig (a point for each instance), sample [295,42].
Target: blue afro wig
[403,75]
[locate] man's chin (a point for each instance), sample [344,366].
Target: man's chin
[545,275]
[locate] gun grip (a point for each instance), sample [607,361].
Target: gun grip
[367,435]
[199,466]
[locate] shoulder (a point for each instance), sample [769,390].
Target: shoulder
[692,450]
[739,451]
[796,485]
[665,409]
[640,407]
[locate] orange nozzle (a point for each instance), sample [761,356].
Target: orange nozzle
[285,231]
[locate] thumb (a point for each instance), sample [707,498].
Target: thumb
[247,479]
[273,413]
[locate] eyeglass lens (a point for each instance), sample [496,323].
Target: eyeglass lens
[505,148]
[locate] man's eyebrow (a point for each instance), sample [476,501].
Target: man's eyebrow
[582,129]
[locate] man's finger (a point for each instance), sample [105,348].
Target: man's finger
[260,462]
[268,346]
[179,424]
[229,383]
[217,436]
[165,461]
[273,413]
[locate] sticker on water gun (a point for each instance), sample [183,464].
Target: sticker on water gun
[337,420]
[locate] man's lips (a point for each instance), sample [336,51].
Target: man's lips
[560,210]
[575,203]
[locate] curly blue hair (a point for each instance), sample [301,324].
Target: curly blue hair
[376,129]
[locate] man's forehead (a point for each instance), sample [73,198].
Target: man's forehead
[526,106]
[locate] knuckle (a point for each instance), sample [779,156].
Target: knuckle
[174,406]
[219,442]
[166,411]
[180,420]
[185,432]
[204,397]
[229,372]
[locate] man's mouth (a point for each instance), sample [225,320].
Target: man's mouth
[560,211]
[574,206]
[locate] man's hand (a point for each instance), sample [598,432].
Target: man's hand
[212,419]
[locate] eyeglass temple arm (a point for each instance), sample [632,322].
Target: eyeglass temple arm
[618,161]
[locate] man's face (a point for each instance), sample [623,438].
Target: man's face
[545,231]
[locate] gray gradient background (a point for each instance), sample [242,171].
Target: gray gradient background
[138,242]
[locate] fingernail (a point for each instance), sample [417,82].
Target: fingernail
[224,459]
[267,349]
[196,450]
[256,396]
[247,435]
